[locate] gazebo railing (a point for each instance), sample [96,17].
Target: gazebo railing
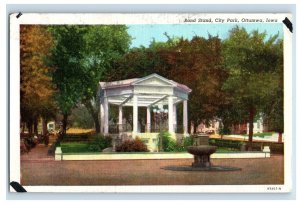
[117,128]
[113,129]
[159,127]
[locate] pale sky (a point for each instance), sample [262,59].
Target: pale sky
[144,33]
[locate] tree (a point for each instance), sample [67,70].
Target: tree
[195,63]
[36,90]
[66,60]
[82,57]
[273,111]
[104,44]
[251,61]
[80,117]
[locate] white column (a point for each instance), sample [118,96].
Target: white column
[135,113]
[120,118]
[175,117]
[103,100]
[105,108]
[148,120]
[170,112]
[185,117]
[102,117]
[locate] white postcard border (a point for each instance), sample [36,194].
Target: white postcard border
[149,18]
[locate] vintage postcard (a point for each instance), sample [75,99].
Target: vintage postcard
[151,102]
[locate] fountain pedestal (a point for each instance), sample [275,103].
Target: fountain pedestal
[201,151]
[201,155]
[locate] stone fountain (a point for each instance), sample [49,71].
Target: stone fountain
[201,151]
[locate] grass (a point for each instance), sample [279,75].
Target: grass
[74,147]
[82,147]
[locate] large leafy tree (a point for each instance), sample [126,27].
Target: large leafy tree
[66,60]
[252,61]
[273,110]
[104,44]
[82,57]
[36,88]
[195,63]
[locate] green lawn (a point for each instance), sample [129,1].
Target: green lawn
[82,147]
[74,147]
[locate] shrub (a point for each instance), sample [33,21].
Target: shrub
[226,143]
[171,146]
[99,143]
[168,143]
[135,145]
[187,141]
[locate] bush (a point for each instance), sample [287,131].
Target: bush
[226,143]
[188,141]
[135,145]
[99,143]
[171,146]
[168,143]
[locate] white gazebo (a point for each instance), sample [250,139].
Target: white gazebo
[150,91]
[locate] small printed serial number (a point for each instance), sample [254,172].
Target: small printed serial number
[274,188]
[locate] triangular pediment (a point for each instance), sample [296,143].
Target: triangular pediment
[154,80]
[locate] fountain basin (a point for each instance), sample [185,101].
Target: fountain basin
[201,155]
[202,149]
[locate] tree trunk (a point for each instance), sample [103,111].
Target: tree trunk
[64,123]
[94,113]
[251,121]
[23,127]
[44,127]
[35,126]
[97,124]
[29,127]
[280,137]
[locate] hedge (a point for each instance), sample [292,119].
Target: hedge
[231,144]
[256,146]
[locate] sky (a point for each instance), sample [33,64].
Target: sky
[143,34]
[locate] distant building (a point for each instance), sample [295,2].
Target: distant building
[212,128]
[242,128]
[258,126]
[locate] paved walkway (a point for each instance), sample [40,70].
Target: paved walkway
[39,152]
[38,168]
[150,172]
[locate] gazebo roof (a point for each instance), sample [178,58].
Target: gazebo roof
[135,81]
[151,90]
